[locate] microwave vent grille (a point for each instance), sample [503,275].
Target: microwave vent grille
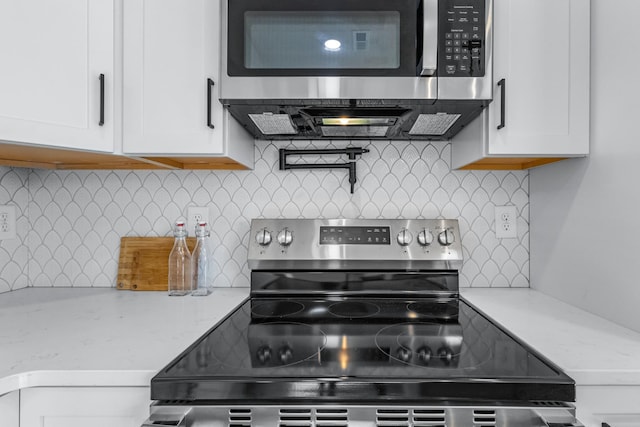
[274,124]
[433,124]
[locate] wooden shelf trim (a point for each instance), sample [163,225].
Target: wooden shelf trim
[37,157]
[510,163]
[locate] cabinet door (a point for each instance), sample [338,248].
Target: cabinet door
[53,53]
[542,51]
[171,51]
[615,405]
[82,407]
[10,410]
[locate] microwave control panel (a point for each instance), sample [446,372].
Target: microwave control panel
[462,38]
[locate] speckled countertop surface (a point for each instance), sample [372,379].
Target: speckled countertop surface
[93,336]
[590,349]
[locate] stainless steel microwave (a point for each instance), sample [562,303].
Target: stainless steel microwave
[356,68]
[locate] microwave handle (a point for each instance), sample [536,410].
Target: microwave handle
[429,38]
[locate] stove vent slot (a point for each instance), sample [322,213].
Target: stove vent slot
[484,418]
[549,403]
[239,417]
[298,417]
[429,418]
[392,418]
[329,417]
[177,402]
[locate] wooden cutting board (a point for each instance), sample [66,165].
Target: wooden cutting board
[144,262]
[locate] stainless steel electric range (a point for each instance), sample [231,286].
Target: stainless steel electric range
[359,323]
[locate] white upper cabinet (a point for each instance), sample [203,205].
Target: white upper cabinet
[541,56]
[52,56]
[171,82]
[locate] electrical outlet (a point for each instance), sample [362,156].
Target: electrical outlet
[195,214]
[7,222]
[506,218]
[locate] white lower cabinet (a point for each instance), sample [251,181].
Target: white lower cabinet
[83,406]
[618,406]
[10,409]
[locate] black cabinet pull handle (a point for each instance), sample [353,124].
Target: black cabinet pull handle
[503,85]
[101,122]
[210,84]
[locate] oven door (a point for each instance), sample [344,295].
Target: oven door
[327,37]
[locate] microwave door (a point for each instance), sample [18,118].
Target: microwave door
[338,38]
[297,52]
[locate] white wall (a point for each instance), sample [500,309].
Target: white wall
[585,213]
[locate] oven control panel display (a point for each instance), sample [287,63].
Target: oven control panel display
[355,235]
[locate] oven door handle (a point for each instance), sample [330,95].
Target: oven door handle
[429,38]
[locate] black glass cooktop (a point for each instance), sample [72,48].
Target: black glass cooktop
[359,349]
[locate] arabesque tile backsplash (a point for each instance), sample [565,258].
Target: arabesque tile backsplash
[14,253]
[70,222]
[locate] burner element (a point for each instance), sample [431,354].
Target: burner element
[354,309]
[281,308]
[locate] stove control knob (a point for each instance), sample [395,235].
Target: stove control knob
[425,238]
[404,237]
[286,355]
[285,237]
[264,354]
[424,355]
[446,237]
[446,355]
[263,237]
[403,354]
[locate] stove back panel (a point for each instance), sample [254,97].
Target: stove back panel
[355,244]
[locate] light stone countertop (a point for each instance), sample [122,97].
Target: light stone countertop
[590,349]
[99,336]
[106,337]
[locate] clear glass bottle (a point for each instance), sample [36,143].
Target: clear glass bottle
[180,279]
[200,263]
